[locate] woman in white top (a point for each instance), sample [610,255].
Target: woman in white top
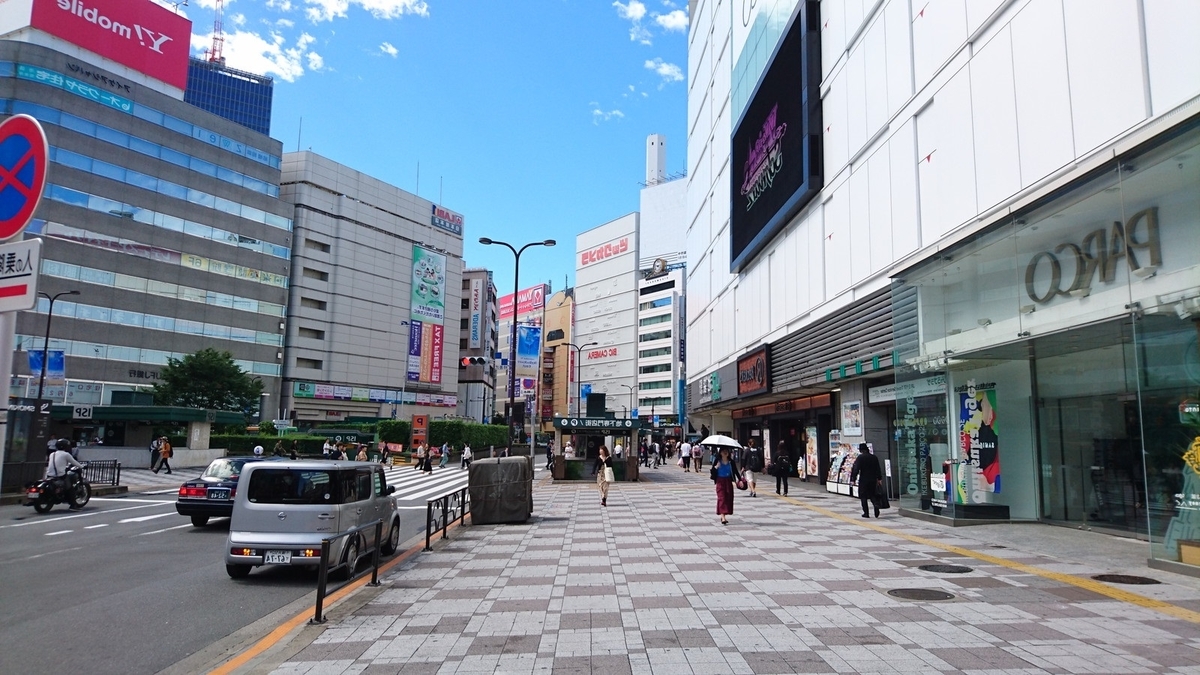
[466,457]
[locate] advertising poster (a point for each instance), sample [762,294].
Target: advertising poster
[529,345]
[810,453]
[304,390]
[427,313]
[979,473]
[324,391]
[852,422]
[475,337]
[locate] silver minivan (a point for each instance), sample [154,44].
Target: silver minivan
[283,510]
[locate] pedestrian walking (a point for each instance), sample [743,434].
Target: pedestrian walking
[465,461]
[420,457]
[550,455]
[724,473]
[428,465]
[781,467]
[685,456]
[295,449]
[445,456]
[362,454]
[870,476]
[604,474]
[697,458]
[327,449]
[164,455]
[754,462]
[154,444]
[618,450]
[278,451]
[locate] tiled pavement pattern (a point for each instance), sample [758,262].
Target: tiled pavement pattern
[654,584]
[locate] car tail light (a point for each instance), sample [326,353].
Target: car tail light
[309,553]
[242,551]
[192,491]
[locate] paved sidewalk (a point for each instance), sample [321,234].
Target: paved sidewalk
[654,584]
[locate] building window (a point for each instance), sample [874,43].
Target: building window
[654,385]
[660,368]
[464,324]
[666,285]
[655,304]
[312,333]
[462,344]
[656,335]
[313,304]
[466,303]
[650,321]
[316,245]
[661,351]
[315,364]
[310,273]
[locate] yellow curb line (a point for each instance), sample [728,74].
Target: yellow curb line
[273,638]
[1069,579]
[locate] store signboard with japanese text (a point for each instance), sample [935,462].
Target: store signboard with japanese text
[529,300]
[427,313]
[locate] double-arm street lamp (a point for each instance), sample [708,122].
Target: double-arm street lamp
[630,395]
[46,344]
[512,340]
[578,380]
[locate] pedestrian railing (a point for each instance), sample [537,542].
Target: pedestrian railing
[441,512]
[347,567]
[102,472]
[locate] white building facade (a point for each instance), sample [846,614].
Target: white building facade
[966,204]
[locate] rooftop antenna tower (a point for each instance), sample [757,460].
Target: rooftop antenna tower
[216,52]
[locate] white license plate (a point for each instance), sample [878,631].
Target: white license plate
[34,494]
[278,557]
[218,494]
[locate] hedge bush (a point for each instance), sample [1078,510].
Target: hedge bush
[454,432]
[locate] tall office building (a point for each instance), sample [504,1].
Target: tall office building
[528,306]
[164,217]
[558,359]
[234,94]
[377,287]
[478,337]
[964,233]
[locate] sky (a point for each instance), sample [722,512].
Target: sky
[529,117]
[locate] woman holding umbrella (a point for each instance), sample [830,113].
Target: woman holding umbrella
[724,472]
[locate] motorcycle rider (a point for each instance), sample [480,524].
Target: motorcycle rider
[57,463]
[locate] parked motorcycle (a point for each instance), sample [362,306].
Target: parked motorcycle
[72,489]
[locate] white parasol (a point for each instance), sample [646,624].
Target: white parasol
[721,441]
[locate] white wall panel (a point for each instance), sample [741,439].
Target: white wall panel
[898,36]
[1104,67]
[994,112]
[946,163]
[978,11]
[837,240]
[721,139]
[777,287]
[880,208]
[939,28]
[854,16]
[833,34]
[860,225]
[1043,102]
[836,126]
[795,260]
[874,50]
[1173,52]
[816,257]
[856,100]
[721,86]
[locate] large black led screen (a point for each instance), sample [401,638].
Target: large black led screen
[777,143]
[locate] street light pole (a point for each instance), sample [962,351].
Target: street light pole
[630,395]
[46,344]
[404,375]
[578,380]
[512,340]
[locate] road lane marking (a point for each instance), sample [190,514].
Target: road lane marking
[165,529]
[42,555]
[55,534]
[129,500]
[160,492]
[142,519]
[92,527]
[79,515]
[1071,580]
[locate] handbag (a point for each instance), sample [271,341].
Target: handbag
[608,475]
[741,484]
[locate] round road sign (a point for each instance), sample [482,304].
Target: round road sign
[24,155]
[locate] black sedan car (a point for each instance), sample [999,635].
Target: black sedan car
[211,495]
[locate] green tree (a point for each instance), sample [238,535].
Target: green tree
[208,379]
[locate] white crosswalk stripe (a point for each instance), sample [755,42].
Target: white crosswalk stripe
[412,485]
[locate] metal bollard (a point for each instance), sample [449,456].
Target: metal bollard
[375,557]
[322,579]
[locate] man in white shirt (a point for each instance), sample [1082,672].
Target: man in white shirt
[617,450]
[466,457]
[57,464]
[685,453]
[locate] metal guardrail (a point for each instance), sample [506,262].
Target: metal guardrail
[440,513]
[325,569]
[102,472]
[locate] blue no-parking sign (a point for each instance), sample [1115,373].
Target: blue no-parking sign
[24,155]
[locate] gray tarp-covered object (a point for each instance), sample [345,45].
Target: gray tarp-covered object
[501,490]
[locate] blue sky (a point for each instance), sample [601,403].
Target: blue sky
[532,115]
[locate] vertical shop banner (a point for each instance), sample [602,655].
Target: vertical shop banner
[427,314]
[979,473]
[475,339]
[810,453]
[56,369]
[529,346]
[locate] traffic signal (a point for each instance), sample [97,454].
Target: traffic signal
[473,361]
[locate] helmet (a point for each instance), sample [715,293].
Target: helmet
[63,444]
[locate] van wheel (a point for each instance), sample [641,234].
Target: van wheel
[199,521]
[350,558]
[237,571]
[393,539]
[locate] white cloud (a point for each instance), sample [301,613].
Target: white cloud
[328,10]
[599,115]
[631,87]
[676,20]
[669,72]
[645,95]
[212,4]
[238,19]
[389,49]
[315,61]
[634,12]
[270,55]
[285,23]
[281,5]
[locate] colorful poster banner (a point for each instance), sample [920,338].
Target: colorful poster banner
[978,475]
[427,312]
[529,346]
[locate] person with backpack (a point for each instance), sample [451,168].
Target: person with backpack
[781,466]
[753,461]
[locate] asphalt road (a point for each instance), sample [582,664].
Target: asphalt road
[129,586]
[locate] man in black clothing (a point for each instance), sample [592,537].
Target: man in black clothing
[868,472]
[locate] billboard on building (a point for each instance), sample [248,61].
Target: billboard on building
[529,300]
[475,307]
[427,312]
[529,347]
[776,147]
[140,34]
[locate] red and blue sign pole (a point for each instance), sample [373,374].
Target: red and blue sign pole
[24,160]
